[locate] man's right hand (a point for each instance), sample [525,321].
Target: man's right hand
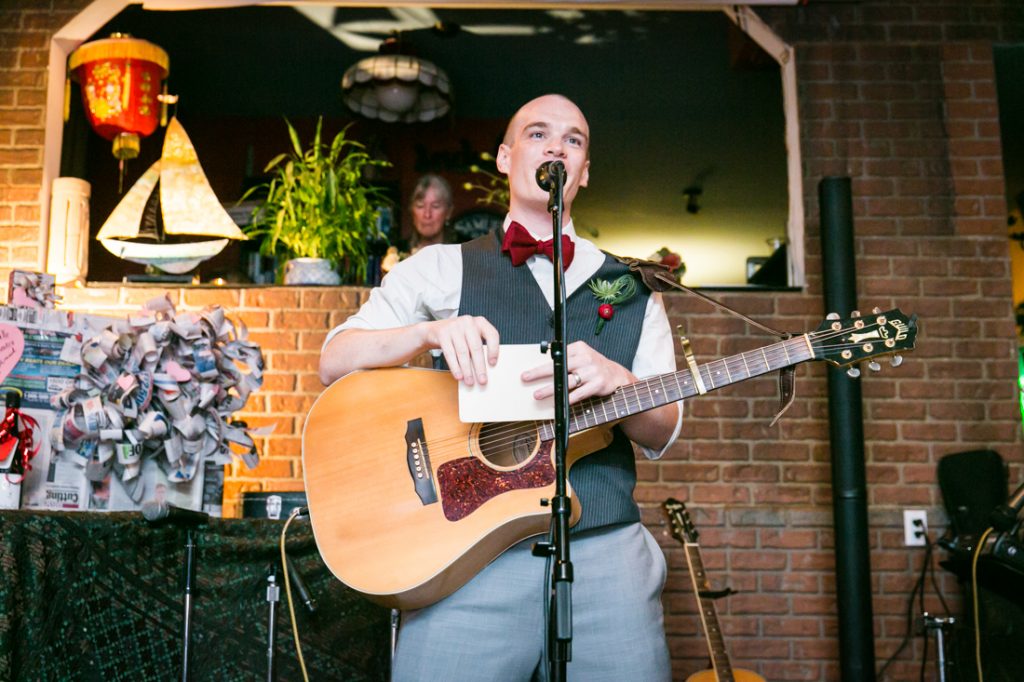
[469,343]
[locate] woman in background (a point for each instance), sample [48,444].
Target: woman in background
[431,208]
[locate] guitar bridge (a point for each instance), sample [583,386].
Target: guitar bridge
[418,459]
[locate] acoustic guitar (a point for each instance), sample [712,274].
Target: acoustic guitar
[721,669]
[407,503]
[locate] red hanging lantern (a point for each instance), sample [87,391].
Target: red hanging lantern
[121,81]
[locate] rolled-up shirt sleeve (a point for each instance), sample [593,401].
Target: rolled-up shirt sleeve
[423,287]
[655,354]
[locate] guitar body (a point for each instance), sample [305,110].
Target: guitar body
[385,537]
[738,675]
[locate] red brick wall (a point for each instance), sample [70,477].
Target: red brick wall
[897,95]
[25,30]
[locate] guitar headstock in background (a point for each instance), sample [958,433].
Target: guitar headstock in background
[682,527]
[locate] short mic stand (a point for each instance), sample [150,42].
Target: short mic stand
[161,513]
[551,176]
[273,596]
[188,580]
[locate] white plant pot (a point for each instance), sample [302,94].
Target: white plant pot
[310,271]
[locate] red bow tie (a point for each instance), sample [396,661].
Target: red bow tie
[520,245]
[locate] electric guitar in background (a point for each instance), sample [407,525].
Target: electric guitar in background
[721,670]
[408,503]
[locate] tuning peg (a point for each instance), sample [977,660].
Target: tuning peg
[876,310]
[853,372]
[855,313]
[896,360]
[832,316]
[874,366]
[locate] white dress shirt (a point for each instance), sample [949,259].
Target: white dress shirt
[428,286]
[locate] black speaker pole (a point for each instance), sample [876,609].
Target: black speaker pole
[846,436]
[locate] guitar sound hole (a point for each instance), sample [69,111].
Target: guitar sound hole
[507,444]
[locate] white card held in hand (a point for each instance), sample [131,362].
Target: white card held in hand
[505,397]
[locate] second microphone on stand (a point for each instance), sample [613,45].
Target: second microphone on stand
[161,512]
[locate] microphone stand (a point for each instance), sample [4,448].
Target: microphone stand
[560,614]
[188,584]
[273,596]
[159,513]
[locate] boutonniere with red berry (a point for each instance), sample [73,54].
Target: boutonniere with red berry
[611,294]
[671,260]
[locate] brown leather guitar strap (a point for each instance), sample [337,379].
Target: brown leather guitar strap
[657,277]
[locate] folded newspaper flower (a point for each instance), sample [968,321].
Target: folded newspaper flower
[159,384]
[32,289]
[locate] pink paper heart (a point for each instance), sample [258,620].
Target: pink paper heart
[12,345]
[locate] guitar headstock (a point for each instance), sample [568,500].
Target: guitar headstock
[847,341]
[679,519]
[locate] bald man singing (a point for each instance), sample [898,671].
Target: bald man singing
[467,299]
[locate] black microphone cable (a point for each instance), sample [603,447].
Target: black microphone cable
[918,593]
[918,587]
[929,565]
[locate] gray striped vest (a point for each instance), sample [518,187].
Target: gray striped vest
[511,300]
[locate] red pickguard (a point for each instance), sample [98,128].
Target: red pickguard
[466,483]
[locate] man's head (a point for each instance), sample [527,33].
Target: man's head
[548,128]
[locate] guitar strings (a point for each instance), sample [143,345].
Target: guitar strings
[501,437]
[578,411]
[504,437]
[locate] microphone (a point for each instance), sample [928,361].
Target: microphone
[549,172]
[160,513]
[1005,516]
[296,578]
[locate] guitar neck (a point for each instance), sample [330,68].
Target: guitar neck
[663,389]
[708,615]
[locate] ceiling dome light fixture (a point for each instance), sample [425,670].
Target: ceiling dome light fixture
[395,87]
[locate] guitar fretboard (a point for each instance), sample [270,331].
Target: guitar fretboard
[708,615]
[663,389]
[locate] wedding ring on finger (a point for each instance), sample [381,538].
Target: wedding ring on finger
[578,378]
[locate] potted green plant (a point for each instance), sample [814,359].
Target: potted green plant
[320,212]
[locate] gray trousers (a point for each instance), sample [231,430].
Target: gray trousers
[493,628]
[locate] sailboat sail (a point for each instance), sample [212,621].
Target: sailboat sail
[189,207]
[189,204]
[124,220]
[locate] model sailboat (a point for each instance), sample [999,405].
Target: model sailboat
[185,202]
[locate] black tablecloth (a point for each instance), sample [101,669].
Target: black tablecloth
[98,597]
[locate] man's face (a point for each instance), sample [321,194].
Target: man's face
[549,128]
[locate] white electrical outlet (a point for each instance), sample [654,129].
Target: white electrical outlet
[913,532]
